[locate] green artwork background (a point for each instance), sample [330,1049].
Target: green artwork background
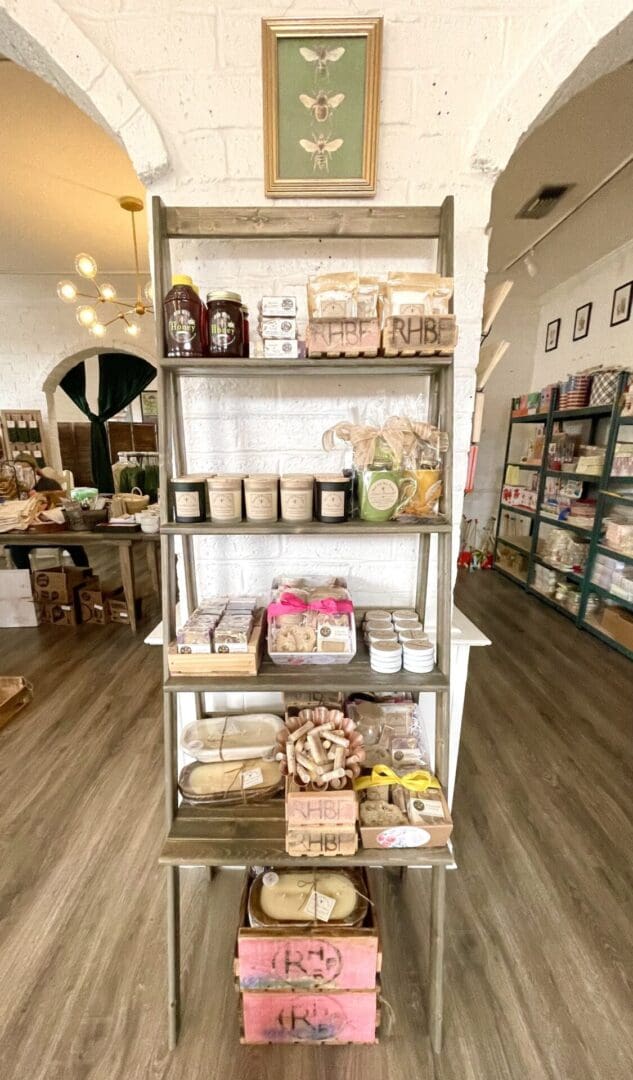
[297,76]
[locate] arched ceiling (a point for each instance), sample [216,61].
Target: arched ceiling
[60,175]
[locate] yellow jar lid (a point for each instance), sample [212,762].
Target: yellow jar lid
[182,279]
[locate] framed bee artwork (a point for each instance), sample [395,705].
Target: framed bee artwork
[321,94]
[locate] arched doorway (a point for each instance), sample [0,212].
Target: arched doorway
[137,432]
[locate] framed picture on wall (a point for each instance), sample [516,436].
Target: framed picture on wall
[551,335]
[582,320]
[149,406]
[621,306]
[321,94]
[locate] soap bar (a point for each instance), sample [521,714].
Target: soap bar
[285,900]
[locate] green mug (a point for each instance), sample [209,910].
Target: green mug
[382,493]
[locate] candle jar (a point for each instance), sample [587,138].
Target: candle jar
[225,498]
[297,497]
[189,499]
[333,495]
[261,496]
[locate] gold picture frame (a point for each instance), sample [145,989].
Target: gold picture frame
[337,154]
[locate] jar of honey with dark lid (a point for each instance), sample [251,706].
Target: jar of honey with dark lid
[226,323]
[185,320]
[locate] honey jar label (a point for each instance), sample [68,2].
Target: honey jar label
[182,326]
[332,503]
[187,504]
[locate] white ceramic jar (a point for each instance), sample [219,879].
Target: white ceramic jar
[225,498]
[261,495]
[297,497]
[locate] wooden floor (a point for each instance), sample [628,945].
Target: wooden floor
[539,945]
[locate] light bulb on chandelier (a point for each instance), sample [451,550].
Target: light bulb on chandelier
[86,265]
[105,293]
[86,315]
[67,292]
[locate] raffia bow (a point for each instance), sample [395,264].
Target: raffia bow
[399,434]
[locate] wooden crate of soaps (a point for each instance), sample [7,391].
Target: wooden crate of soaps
[222,664]
[314,984]
[343,337]
[419,335]
[320,822]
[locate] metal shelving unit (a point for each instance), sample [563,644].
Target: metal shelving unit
[238,836]
[607,494]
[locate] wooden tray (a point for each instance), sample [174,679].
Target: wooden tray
[15,693]
[419,335]
[222,664]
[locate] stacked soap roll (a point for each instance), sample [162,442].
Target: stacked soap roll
[396,639]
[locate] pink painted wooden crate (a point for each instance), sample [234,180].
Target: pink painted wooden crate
[319,957]
[293,1017]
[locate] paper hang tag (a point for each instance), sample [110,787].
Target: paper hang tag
[319,906]
[252,778]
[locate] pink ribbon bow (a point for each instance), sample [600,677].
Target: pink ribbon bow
[289,604]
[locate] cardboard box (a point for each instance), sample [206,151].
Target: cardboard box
[279,305]
[57,613]
[275,329]
[618,623]
[59,583]
[92,603]
[116,607]
[409,836]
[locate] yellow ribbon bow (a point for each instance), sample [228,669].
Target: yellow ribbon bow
[419,780]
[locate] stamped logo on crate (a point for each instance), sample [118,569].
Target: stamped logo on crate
[312,1019]
[309,963]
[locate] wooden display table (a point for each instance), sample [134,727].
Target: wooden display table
[124,544]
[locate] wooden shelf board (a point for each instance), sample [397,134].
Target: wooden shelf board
[254,835]
[611,553]
[545,520]
[511,577]
[559,569]
[585,413]
[249,367]
[621,601]
[589,478]
[355,676]
[523,465]
[599,632]
[517,510]
[331,222]
[364,528]
[533,418]
[515,542]
[552,603]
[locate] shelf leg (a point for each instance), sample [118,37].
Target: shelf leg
[436,956]
[173,954]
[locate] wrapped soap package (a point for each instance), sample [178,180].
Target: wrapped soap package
[280,897]
[311,621]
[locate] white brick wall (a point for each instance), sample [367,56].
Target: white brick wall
[461,81]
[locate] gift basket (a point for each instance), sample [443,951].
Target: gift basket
[311,621]
[398,466]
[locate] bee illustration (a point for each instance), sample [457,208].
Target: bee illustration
[321,151]
[321,57]
[321,106]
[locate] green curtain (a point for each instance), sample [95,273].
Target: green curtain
[121,379]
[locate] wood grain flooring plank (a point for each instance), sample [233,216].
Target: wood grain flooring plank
[539,955]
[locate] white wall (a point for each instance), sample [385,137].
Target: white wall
[605,344]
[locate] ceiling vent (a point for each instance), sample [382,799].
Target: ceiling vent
[542,204]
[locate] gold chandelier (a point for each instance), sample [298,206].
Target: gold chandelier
[86,267]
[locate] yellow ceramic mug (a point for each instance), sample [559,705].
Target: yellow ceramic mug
[428,490]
